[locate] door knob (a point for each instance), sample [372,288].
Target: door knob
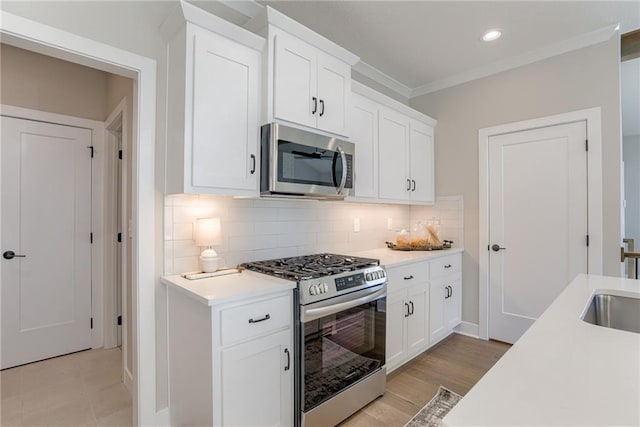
[11,255]
[497,248]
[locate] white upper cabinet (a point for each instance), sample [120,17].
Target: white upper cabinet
[311,88]
[213,120]
[334,92]
[364,134]
[295,81]
[397,149]
[308,77]
[421,164]
[394,183]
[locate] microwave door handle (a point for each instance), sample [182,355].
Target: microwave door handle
[343,181]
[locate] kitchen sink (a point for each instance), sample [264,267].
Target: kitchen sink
[614,311]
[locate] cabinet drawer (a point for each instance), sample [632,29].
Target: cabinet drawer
[408,274]
[446,265]
[256,319]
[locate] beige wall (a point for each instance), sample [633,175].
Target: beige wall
[581,79]
[39,82]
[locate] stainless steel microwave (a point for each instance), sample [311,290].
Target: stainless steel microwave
[298,163]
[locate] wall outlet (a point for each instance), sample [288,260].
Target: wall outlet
[389,223]
[356,225]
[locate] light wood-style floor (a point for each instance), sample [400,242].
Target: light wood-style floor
[457,363]
[80,389]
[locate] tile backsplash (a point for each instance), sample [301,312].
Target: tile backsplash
[255,229]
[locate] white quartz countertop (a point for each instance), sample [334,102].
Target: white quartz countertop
[562,371]
[390,258]
[228,288]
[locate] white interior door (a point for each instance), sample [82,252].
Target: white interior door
[46,216]
[538,219]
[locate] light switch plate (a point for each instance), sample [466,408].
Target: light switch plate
[356,225]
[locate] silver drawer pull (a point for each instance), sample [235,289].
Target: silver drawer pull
[262,319]
[408,277]
[447,266]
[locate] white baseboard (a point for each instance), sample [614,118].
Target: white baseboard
[162,417]
[468,329]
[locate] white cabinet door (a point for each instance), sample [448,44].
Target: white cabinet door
[417,332]
[225,113]
[437,326]
[295,81]
[257,382]
[394,182]
[421,163]
[396,313]
[453,304]
[364,134]
[334,90]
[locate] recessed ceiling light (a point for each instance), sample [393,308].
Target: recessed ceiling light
[491,35]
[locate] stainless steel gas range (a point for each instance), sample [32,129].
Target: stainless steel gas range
[340,327]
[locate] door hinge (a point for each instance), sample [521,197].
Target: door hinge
[586,145]
[92,323]
[120,320]
[119,237]
[587,240]
[120,154]
[91,148]
[91,237]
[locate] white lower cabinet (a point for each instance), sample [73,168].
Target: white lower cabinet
[407,317]
[423,306]
[231,364]
[256,372]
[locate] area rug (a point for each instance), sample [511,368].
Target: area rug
[434,411]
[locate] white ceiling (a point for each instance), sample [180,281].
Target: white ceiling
[420,43]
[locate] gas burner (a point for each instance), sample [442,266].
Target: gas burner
[310,266]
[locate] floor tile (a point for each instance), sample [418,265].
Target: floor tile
[122,418]
[110,400]
[76,413]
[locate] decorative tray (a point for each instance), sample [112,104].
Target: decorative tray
[446,244]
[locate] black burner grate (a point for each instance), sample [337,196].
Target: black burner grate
[310,266]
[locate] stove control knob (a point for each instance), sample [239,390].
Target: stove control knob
[367,277]
[313,289]
[377,274]
[325,288]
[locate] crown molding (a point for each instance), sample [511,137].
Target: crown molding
[382,78]
[574,43]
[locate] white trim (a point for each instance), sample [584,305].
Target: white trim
[382,78]
[97,195]
[190,13]
[594,184]
[294,28]
[468,329]
[394,104]
[117,118]
[60,44]
[564,46]
[128,380]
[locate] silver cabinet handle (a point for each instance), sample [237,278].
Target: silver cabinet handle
[262,319]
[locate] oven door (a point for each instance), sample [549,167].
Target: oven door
[343,341]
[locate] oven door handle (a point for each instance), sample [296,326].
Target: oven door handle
[309,314]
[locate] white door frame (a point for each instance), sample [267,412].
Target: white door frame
[97,192]
[594,194]
[31,35]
